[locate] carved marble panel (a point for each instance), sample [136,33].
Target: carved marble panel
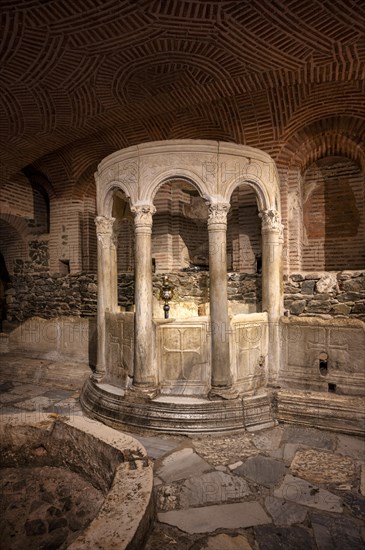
[324,356]
[250,351]
[183,358]
[119,348]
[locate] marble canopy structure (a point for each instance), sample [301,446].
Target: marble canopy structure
[188,374]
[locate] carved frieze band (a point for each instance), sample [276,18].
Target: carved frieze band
[218,213]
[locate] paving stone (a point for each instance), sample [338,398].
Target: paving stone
[156,446]
[322,467]
[234,466]
[226,542]
[262,470]
[210,518]
[268,440]
[35,404]
[300,491]
[289,451]
[338,533]
[283,512]
[269,537]
[355,503]
[351,446]
[58,394]
[212,488]
[225,449]
[181,465]
[310,437]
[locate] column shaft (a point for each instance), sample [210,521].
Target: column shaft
[272,285]
[145,377]
[221,377]
[106,294]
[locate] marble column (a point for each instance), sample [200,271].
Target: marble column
[107,286]
[145,376]
[221,376]
[272,284]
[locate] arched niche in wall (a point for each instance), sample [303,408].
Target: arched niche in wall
[333,215]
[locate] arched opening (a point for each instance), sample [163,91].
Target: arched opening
[244,251]
[180,248]
[333,212]
[179,235]
[124,234]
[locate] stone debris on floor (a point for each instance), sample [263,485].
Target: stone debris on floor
[287,487]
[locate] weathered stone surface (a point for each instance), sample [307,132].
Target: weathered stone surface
[156,446]
[308,286]
[226,542]
[210,518]
[362,480]
[297,307]
[268,440]
[225,449]
[327,283]
[262,470]
[212,488]
[338,533]
[322,467]
[300,491]
[309,436]
[355,503]
[181,465]
[340,309]
[351,446]
[280,538]
[283,512]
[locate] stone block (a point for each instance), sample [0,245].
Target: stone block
[209,518]
[322,467]
[226,542]
[338,533]
[181,465]
[262,470]
[299,491]
[285,513]
[297,307]
[270,537]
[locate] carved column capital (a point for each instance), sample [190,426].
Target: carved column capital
[105,231]
[104,225]
[271,221]
[143,215]
[218,213]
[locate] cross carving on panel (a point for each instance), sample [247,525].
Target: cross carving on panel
[182,351]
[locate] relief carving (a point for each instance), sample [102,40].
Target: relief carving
[218,213]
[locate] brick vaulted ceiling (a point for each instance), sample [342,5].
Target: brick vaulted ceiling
[86,77]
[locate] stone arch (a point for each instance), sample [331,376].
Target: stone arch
[170,176]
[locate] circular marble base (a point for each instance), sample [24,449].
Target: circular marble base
[174,414]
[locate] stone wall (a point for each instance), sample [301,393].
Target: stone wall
[326,294]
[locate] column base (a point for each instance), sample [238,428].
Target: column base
[223,392]
[97,376]
[142,393]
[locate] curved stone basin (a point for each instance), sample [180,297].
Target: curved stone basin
[113,462]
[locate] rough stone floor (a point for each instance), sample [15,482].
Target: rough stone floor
[288,487]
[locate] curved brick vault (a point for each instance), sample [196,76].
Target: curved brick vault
[82,79]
